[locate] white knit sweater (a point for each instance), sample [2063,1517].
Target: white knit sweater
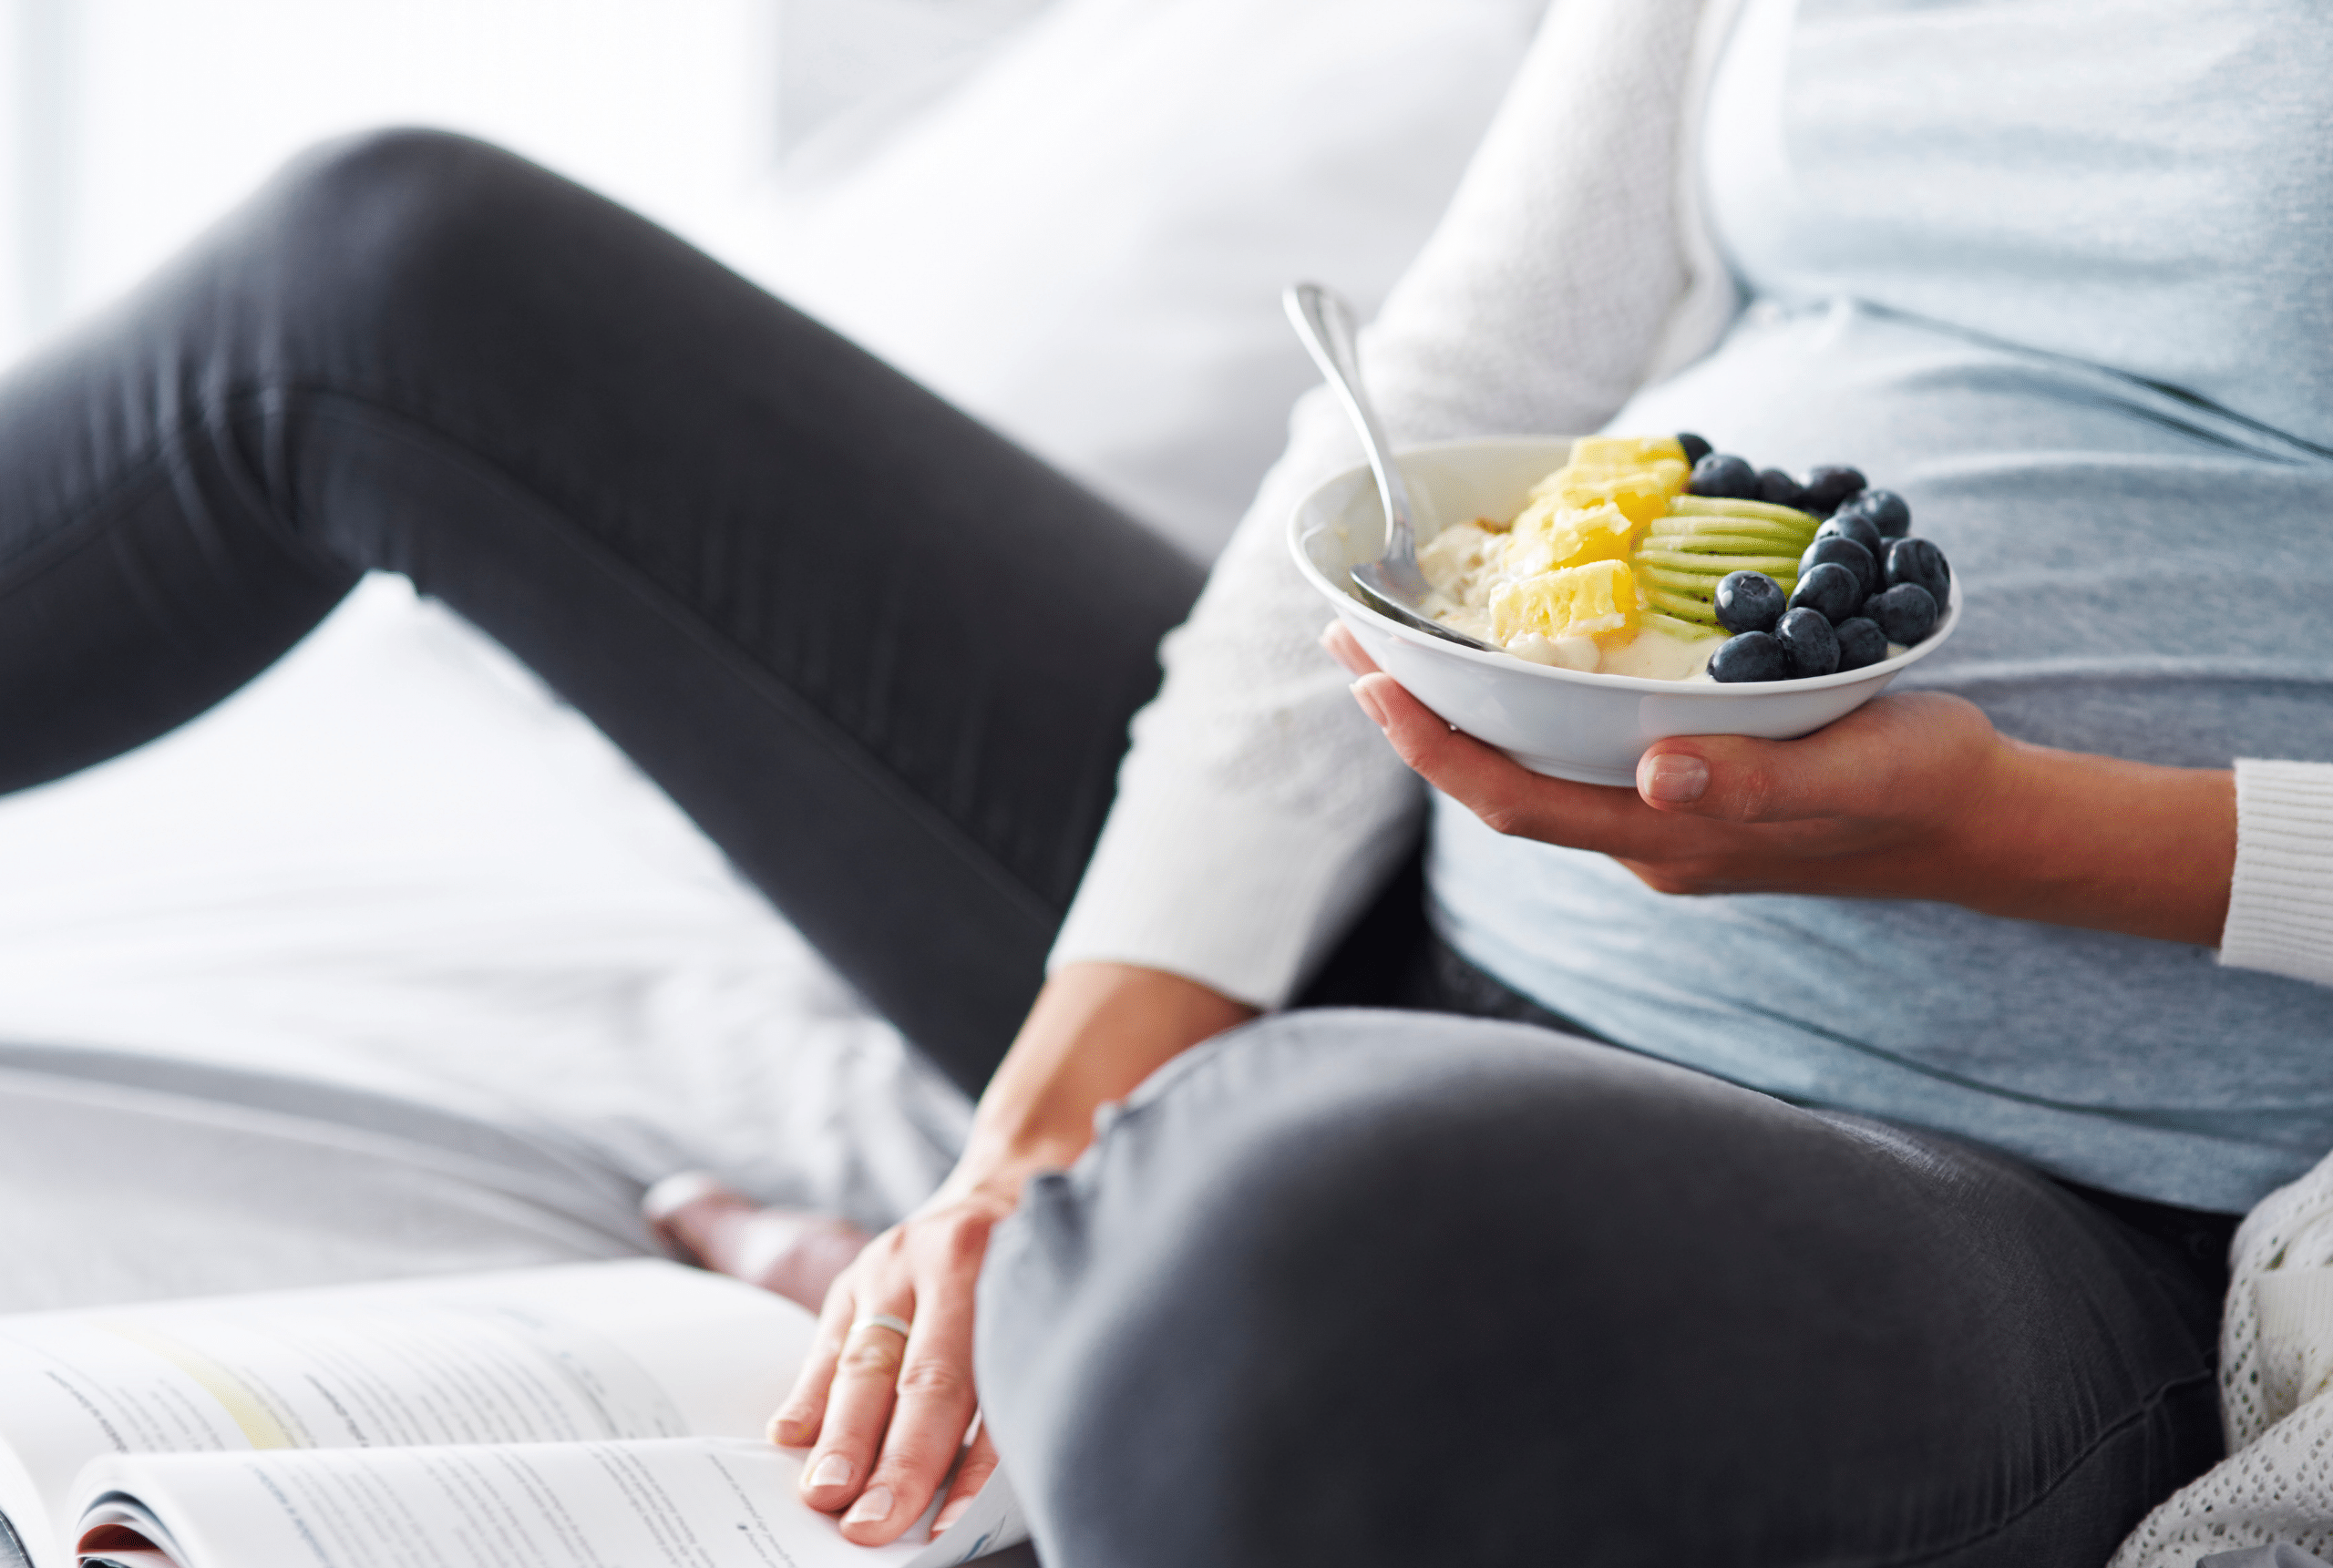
[1259,809]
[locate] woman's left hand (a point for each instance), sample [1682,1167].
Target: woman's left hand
[1909,796]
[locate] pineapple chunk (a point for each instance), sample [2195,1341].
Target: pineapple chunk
[1576,601]
[1550,535]
[1643,492]
[1625,451]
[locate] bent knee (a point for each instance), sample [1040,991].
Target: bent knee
[1383,1243]
[380,226]
[1355,1245]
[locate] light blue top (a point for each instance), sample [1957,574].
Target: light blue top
[2057,271]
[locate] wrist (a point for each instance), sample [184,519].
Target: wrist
[992,1171]
[2101,842]
[1097,1030]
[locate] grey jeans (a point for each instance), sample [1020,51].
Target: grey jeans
[1364,1288]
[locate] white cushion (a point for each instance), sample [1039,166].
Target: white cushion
[1084,243]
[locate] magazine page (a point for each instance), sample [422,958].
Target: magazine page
[587,1353]
[676,1503]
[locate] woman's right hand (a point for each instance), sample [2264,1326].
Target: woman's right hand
[885,1415]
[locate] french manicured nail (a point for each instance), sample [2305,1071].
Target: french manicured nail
[832,1471]
[788,1430]
[1675,779]
[1369,704]
[873,1507]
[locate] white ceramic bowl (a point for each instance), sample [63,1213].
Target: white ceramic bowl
[1592,728]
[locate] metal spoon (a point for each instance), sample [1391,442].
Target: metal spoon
[1393,583]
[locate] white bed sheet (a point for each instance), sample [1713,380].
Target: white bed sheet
[396,863]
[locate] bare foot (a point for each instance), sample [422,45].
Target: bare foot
[793,1252]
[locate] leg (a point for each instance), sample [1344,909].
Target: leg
[883,657]
[1353,1288]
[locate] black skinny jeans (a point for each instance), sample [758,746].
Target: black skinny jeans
[1344,1287]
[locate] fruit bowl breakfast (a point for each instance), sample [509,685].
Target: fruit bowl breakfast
[1634,587]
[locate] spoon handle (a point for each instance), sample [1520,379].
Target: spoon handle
[1324,322]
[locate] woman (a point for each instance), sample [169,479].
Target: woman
[1871,1213]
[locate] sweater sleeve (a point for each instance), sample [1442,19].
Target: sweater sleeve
[2280,910]
[1258,809]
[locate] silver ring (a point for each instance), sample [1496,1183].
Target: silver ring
[898,1326]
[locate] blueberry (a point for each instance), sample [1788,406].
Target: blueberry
[1830,588]
[1843,551]
[1748,601]
[1695,447]
[1722,474]
[1827,486]
[1887,511]
[1907,612]
[1753,656]
[1809,645]
[1916,560]
[1856,526]
[1861,643]
[1777,488]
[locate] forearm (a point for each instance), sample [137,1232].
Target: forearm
[1097,1030]
[2072,839]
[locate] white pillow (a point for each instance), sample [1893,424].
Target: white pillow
[1084,241]
[848,69]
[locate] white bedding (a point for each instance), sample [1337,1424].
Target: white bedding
[395,862]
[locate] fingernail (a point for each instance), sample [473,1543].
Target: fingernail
[1673,779]
[832,1471]
[874,1506]
[1369,703]
[787,1429]
[949,1514]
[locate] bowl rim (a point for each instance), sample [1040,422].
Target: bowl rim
[1508,663]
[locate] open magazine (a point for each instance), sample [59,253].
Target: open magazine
[601,1414]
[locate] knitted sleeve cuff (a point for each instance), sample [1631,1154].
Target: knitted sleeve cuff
[2280,910]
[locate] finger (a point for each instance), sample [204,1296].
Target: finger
[935,1399]
[1507,796]
[804,1409]
[1346,650]
[859,1409]
[972,1472]
[1855,767]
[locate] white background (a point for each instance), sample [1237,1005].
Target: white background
[129,124]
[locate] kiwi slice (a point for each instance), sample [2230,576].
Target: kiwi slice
[1775,567]
[1749,527]
[1728,506]
[1691,631]
[1682,606]
[1721,544]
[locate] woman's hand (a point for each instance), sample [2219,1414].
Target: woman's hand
[1910,796]
[887,1412]
[885,1415]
